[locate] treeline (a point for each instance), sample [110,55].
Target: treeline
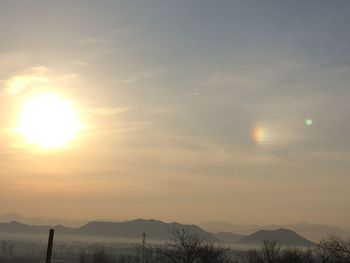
[189,248]
[184,247]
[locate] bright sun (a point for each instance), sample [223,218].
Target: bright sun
[48,121]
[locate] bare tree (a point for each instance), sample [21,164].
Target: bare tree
[210,253]
[187,247]
[333,249]
[253,256]
[271,251]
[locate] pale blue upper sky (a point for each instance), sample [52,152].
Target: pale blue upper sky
[173,91]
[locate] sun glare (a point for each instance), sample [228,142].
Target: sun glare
[48,121]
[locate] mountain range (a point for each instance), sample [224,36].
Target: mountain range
[155,230]
[226,231]
[41,221]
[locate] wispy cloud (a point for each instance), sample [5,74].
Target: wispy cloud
[138,77]
[17,83]
[108,110]
[35,77]
[92,41]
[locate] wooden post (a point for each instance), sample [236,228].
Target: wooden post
[143,247]
[49,246]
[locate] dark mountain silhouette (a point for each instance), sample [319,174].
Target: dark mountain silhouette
[130,229]
[222,226]
[41,221]
[284,236]
[133,229]
[16,227]
[314,232]
[228,237]
[156,230]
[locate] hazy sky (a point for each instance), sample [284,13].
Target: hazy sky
[193,110]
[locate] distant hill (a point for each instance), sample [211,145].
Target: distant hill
[314,232]
[15,227]
[133,229]
[222,226]
[130,229]
[228,237]
[40,221]
[284,236]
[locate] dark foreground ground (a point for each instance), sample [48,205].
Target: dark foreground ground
[183,248]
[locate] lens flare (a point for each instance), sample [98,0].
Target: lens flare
[261,135]
[258,134]
[309,122]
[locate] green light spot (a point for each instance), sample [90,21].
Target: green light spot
[308,122]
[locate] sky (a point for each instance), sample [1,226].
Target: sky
[191,111]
